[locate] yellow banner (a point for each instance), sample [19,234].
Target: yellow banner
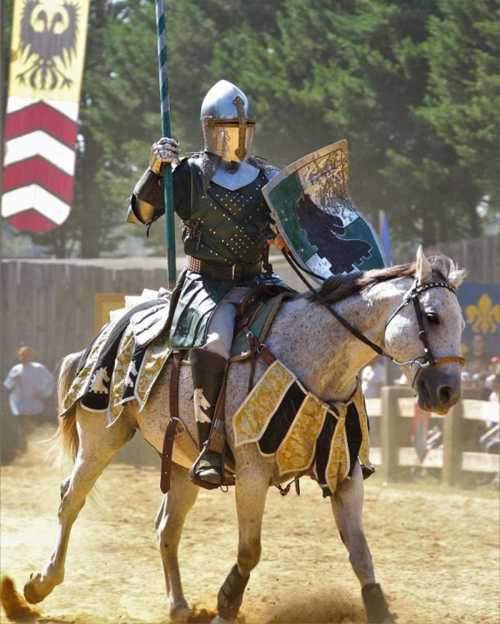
[48,49]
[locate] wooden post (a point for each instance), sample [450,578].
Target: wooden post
[452,445]
[389,437]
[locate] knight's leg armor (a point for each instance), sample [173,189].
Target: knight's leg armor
[208,367]
[208,374]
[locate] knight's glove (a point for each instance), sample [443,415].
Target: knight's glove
[164,151]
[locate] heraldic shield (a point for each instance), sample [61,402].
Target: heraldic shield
[322,227]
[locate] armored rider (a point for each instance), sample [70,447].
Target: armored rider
[226,232]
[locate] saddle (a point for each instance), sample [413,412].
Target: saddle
[257,309]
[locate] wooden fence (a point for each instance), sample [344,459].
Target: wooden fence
[479,256]
[392,449]
[50,305]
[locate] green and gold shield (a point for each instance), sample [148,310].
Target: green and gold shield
[325,232]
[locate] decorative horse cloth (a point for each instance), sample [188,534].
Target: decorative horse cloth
[302,433]
[119,365]
[125,359]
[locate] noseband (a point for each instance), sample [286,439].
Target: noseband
[412,297]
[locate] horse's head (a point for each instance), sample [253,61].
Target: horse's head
[425,333]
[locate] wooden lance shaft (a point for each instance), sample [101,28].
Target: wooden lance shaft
[161,29]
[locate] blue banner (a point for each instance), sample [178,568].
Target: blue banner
[481,309]
[385,238]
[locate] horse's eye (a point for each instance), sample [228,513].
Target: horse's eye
[432,317]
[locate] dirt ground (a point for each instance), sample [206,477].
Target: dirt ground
[436,551]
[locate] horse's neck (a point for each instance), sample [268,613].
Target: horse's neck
[324,355]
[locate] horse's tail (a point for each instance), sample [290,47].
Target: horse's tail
[66,432]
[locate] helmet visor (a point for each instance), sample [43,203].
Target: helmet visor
[229,138]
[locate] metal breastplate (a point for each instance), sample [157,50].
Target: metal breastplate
[234,180]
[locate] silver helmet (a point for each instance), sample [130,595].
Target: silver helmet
[227,121]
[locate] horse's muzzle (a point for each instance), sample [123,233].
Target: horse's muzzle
[438,390]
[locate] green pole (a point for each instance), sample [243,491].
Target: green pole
[161,29]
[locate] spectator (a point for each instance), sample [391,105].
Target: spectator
[479,361]
[373,378]
[30,385]
[493,386]
[494,367]
[490,440]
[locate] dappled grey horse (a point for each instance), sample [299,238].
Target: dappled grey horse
[410,312]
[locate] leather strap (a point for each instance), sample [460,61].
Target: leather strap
[217,270]
[258,349]
[428,358]
[170,431]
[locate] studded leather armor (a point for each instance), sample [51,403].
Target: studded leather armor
[220,225]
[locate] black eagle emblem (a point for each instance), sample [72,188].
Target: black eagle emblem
[48,34]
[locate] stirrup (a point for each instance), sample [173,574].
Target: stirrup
[198,479]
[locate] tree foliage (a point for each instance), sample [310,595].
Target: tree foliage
[370,71]
[463,100]
[415,88]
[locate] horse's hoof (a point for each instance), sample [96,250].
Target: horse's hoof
[30,593]
[180,615]
[218,620]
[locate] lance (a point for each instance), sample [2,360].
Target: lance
[161,30]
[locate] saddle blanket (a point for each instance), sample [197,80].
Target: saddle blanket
[127,356]
[301,433]
[119,365]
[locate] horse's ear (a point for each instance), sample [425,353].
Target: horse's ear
[456,277]
[424,269]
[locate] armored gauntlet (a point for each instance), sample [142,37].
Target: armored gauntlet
[164,151]
[146,203]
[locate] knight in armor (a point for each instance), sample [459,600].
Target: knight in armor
[226,233]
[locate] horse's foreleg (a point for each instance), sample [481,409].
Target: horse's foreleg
[252,484]
[347,507]
[96,447]
[169,524]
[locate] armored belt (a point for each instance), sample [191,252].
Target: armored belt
[229,272]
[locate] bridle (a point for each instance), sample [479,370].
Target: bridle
[428,358]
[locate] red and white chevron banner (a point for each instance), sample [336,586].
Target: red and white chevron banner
[41,125]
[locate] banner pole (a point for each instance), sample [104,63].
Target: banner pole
[161,29]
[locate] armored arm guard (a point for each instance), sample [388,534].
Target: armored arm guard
[146,202]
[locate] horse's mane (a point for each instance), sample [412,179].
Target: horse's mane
[340,287]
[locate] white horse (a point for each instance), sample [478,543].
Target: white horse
[327,358]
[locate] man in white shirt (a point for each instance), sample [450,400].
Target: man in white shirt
[30,385]
[373,378]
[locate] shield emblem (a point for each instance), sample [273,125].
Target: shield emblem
[325,232]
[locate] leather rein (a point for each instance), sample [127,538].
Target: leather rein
[411,297]
[428,358]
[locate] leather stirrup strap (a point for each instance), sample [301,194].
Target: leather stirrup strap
[168,440]
[258,349]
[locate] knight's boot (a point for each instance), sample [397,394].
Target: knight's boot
[208,375]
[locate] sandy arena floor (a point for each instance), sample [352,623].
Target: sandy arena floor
[436,551]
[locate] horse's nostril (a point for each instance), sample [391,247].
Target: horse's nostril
[444,394]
